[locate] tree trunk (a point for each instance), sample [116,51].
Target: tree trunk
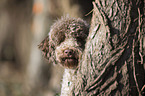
[113,60]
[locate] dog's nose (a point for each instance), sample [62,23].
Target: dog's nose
[68,52]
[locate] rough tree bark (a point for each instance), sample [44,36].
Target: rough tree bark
[112,63]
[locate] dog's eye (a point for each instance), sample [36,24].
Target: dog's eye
[81,41]
[60,37]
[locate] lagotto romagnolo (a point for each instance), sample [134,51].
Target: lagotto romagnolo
[64,45]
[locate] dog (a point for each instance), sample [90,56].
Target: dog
[64,45]
[66,41]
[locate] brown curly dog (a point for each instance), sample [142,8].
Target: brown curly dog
[65,41]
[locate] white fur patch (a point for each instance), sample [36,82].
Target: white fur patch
[67,82]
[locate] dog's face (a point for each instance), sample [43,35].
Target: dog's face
[68,53]
[66,42]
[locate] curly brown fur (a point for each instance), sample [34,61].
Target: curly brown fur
[65,42]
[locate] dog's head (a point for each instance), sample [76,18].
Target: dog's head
[65,42]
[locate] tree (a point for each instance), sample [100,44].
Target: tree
[114,58]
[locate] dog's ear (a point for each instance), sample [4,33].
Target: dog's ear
[47,48]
